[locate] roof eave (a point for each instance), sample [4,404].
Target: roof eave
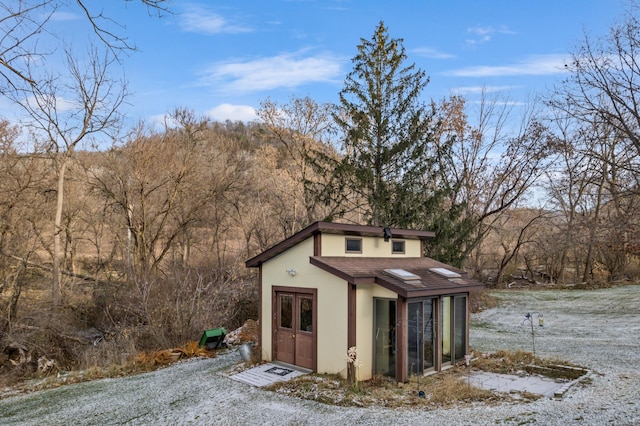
[341,274]
[439,291]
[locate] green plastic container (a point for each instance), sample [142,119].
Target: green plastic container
[213,338]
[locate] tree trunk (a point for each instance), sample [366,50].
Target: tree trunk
[593,226]
[56,292]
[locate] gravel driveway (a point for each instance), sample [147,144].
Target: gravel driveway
[598,329]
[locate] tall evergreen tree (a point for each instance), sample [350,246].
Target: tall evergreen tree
[389,173]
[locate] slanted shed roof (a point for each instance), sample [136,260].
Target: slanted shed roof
[368,270]
[334,228]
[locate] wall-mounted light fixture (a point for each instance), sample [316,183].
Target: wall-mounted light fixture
[291,272]
[386,233]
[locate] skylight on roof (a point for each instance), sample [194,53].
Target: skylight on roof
[402,274]
[444,272]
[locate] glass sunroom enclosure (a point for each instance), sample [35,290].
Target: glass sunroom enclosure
[435,329]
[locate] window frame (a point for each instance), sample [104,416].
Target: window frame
[346,245]
[404,247]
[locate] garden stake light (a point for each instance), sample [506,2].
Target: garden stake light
[529,317]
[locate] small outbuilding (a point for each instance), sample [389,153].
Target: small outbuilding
[334,286]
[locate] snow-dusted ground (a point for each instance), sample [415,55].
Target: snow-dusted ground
[596,329]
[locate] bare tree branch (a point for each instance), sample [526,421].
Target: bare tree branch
[25,26]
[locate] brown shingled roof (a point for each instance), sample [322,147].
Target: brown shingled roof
[370,270]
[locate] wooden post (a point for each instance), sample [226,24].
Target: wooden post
[402,348]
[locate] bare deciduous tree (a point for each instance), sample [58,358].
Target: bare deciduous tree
[515,229]
[65,111]
[492,166]
[602,85]
[599,187]
[302,128]
[23,181]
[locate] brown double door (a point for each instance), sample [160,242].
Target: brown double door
[295,328]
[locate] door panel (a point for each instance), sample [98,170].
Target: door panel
[285,333]
[385,337]
[421,336]
[304,335]
[295,329]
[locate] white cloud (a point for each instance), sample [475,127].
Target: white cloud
[222,112]
[286,70]
[532,65]
[231,112]
[64,16]
[499,102]
[58,103]
[476,90]
[63,104]
[199,19]
[158,121]
[429,52]
[485,34]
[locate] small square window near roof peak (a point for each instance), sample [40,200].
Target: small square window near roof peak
[353,245]
[397,247]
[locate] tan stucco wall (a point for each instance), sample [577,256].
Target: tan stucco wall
[332,299]
[332,304]
[334,245]
[364,325]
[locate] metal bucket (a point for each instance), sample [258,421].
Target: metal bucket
[245,351]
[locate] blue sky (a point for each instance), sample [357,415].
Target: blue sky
[222,57]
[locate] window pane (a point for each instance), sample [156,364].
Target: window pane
[286,311]
[427,334]
[446,329]
[354,245]
[385,337]
[414,335]
[459,327]
[397,246]
[305,309]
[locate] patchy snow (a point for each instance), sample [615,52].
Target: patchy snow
[597,329]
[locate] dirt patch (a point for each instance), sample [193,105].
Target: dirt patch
[442,390]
